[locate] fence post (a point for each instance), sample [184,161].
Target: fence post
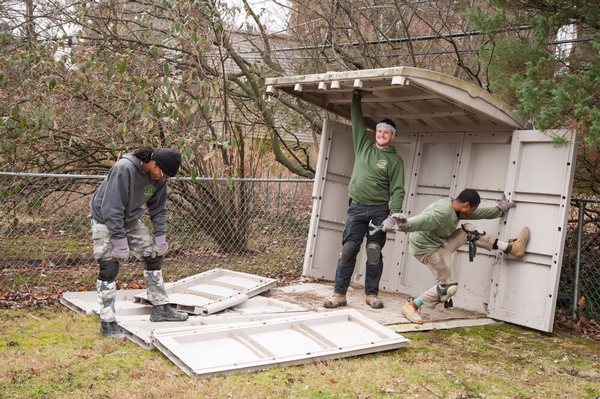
[577,259]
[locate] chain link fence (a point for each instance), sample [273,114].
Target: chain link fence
[579,289]
[254,225]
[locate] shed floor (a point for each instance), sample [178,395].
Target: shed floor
[311,295]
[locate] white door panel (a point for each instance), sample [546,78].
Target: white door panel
[474,279]
[415,277]
[439,162]
[433,173]
[328,246]
[485,167]
[539,180]
[328,204]
[334,204]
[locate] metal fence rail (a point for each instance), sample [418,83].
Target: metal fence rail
[254,225]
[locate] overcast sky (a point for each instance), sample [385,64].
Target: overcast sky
[272,14]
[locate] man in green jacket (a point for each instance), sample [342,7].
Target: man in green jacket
[435,237]
[376,188]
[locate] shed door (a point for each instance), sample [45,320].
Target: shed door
[539,180]
[329,201]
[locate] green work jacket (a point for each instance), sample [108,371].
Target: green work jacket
[378,175]
[431,228]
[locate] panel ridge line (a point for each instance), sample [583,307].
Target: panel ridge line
[253,346]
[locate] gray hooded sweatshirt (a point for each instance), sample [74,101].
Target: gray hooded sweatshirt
[122,195]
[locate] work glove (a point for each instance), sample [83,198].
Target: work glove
[504,206]
[401,221]
[160,244]
[120,249]
[389,224]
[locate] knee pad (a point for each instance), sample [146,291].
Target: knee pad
[446,291]
[349,250]
[373,253]
[151,263]
[469,227]
[108,270]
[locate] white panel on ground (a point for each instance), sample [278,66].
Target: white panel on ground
[86,302]
[214,290]
[276,343]
[140,331]
[264,305]
[539,181]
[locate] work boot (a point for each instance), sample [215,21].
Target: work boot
[411,312]
[374,302]
[110,329]
[166,313]
[336,301]
[516,246]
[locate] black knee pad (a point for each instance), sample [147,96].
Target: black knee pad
[349,250]
[373,253]
[108,270]
[151,263]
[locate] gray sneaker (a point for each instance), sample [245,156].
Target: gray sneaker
[336,301]
[110,329]
[167,313]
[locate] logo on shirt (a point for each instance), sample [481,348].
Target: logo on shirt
[149,191]
[382,164]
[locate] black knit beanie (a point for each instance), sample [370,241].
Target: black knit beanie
[168,160]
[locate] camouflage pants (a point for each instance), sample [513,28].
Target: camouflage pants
[140,245]
[138,238]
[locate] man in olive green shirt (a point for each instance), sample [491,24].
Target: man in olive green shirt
[434,237]
[376,188]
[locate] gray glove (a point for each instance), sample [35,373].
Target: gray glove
[401,221]
[389,224]
[120,249]
[160,244]
[504,206]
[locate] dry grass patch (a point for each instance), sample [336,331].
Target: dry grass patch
[55,353]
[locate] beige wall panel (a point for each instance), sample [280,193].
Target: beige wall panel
[539,180]
[487,166]
[543,168]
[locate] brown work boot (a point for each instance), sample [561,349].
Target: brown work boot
[411,312]
[336,301]
[517,245]
[374,302]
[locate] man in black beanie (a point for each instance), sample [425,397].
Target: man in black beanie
[117,207]
[168,160]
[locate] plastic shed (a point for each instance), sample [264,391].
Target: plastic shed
[451,135]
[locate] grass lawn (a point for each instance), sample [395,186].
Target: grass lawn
[55,353]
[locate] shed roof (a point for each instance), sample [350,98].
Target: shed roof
[416,99]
